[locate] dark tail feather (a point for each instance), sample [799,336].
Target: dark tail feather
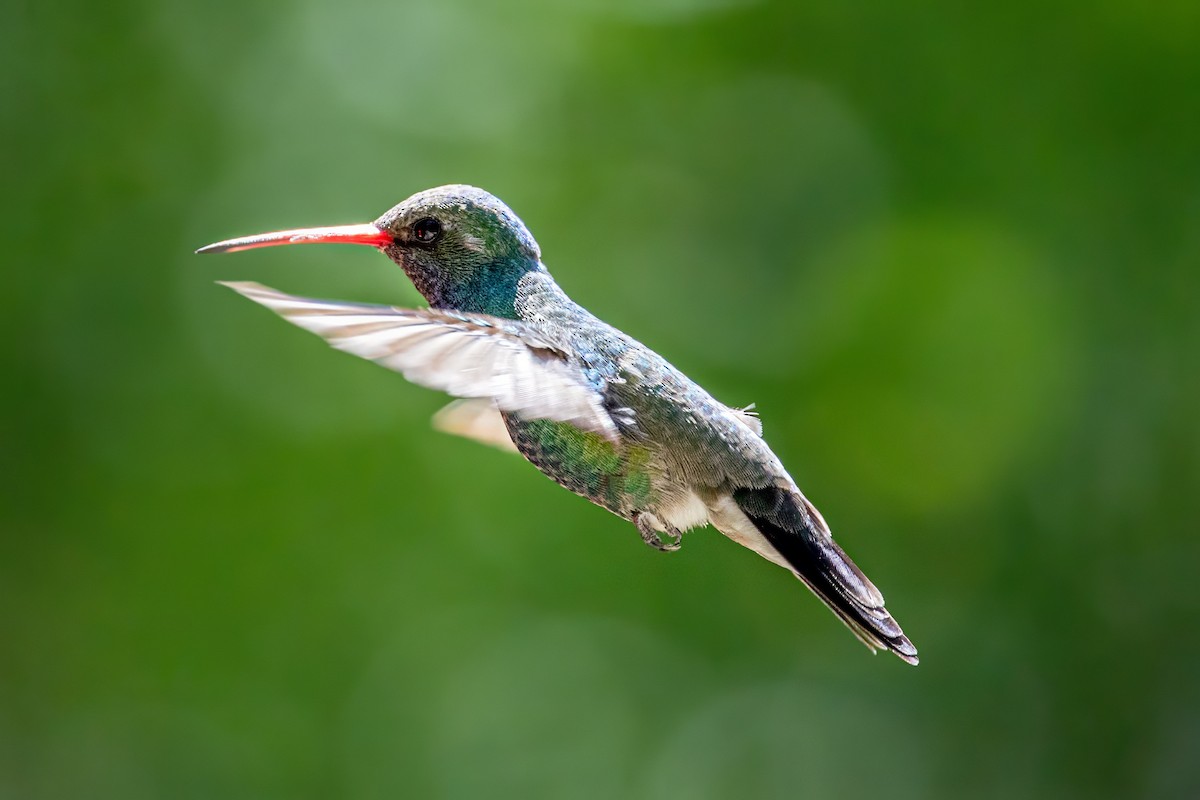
[793,527]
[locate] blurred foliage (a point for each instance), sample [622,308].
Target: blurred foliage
[951,251]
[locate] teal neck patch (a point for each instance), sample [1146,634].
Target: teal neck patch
[489,290]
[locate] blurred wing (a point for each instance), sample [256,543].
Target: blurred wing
[475,419]
[466,355]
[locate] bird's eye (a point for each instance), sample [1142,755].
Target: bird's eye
[427,230]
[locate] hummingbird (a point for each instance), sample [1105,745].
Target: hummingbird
[597,411]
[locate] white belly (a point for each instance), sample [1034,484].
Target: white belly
[684,512]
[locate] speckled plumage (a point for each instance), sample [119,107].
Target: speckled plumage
[597,411]
[672,429]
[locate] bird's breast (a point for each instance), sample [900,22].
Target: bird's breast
[619,478]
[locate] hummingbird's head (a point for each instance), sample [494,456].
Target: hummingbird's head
[461,247]
[456,224]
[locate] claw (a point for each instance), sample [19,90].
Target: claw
[657,533]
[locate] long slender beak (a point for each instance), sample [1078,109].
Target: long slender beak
[338,234]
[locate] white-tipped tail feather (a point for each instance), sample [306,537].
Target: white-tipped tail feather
[783,527]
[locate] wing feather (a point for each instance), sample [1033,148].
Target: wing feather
[475,419]
[465,355]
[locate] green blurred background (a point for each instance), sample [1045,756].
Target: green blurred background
[952,253]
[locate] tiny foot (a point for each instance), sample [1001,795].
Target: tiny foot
[657,533]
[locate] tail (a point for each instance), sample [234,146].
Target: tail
[789,531]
